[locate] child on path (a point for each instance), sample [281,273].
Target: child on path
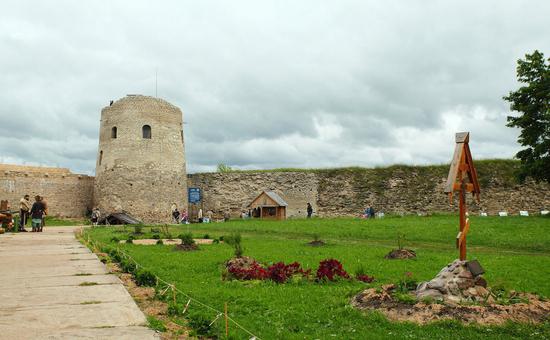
[37,214]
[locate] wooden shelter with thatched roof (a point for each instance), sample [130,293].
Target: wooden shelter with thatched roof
[269,205]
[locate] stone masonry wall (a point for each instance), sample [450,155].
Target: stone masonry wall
[395,189]
[67,194]
[339,192]
[235,190]
[404,189]
[137,175]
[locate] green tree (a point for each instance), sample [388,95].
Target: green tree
[224,168]
[532,101]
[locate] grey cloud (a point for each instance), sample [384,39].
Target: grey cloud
[268,84]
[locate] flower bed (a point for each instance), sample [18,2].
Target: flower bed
[247,268]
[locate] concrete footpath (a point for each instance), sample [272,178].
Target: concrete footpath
[53,287]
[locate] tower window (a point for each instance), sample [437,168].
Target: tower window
[113,132]
[100,156]
[146,130]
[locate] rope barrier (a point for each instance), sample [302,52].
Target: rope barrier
[169,285]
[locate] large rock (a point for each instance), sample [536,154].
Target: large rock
[454,283]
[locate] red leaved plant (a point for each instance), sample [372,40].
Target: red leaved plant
[331,269]
[280,272]
[365,278]
[254,271]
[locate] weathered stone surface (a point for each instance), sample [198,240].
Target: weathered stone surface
[67,194]
[235,191]
[142,176]
[453,283]
[345,192]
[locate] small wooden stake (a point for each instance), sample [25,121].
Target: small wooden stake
[226,321]
[173,294]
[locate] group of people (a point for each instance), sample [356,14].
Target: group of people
[37,212]
[178,217]
[369,212]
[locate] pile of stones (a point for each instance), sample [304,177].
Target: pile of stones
[459,281]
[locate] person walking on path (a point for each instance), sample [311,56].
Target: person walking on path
[24,207]
[37,214]
[309,210]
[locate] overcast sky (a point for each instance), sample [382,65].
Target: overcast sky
[266,84]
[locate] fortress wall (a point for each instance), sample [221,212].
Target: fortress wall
[67,194]
[338,192]
[233,191]
[395,189]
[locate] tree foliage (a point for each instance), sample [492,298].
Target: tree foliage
[532,102]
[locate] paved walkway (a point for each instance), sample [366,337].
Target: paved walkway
[52,287]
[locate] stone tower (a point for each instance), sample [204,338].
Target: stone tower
[140,166]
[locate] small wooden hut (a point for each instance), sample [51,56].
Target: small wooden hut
[268,205]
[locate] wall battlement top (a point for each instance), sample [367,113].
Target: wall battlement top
[138,100]
[36,170]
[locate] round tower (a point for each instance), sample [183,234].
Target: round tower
[140,166]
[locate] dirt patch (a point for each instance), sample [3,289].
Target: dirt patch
[317,243]
[186,247]
[243,262]
[533,310]
[401,254]
[113,268]
[139,293]
[145,299]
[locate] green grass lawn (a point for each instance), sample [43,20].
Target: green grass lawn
[514,251]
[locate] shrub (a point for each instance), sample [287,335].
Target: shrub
[145,278]
[115,255]
[160,242]
[280,272]
[130,239]
[155,237]
[400,239]
[186,239]
[175,309]
[405,298]
[165,231]
[330,270]
[115,239]
[234,240]
[200,323]
[406,283]
[215,241]
[138,229]
[206,237]
[361,275]
[127,266]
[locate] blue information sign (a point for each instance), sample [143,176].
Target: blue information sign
[194,195]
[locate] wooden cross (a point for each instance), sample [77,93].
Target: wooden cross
[462,179]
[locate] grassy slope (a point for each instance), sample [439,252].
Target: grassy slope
[504,169]
[514,251]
